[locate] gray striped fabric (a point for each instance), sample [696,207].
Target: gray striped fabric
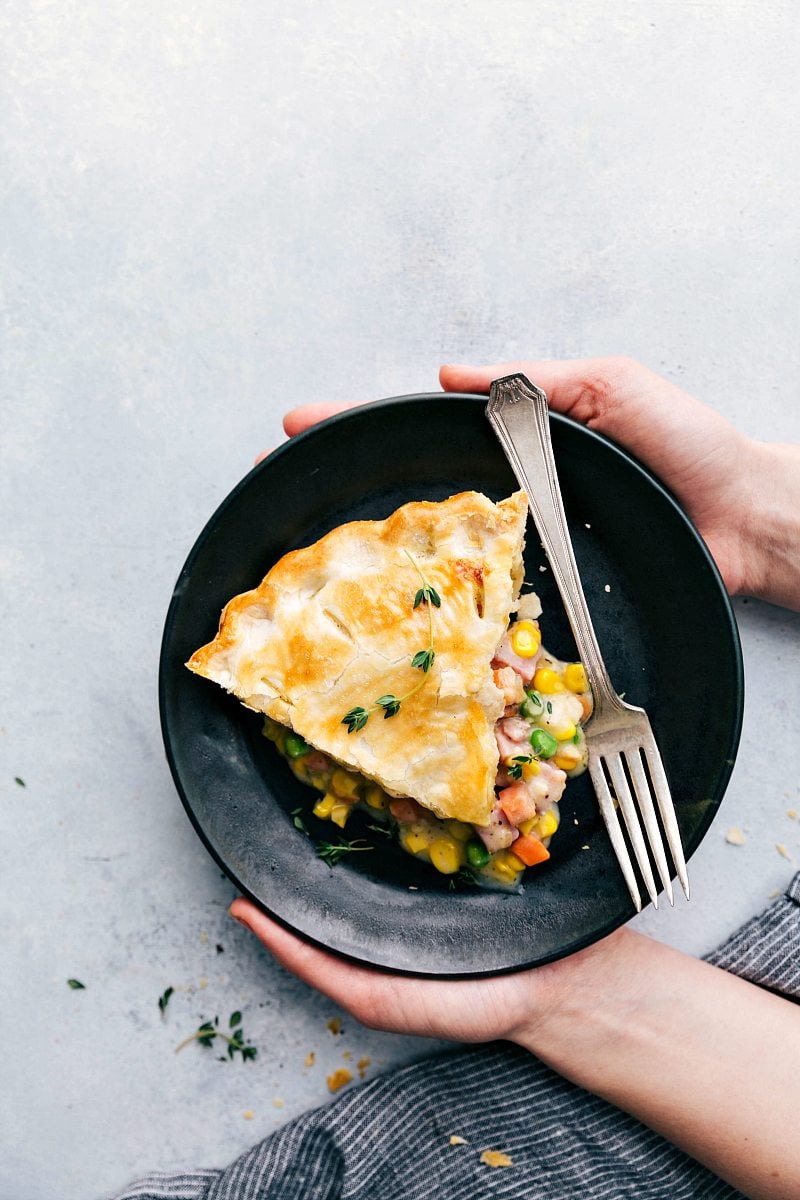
[390,1139]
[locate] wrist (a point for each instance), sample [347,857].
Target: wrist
[574,991]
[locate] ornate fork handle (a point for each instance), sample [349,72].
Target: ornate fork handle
[518,412]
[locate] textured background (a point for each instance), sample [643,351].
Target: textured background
[214,211]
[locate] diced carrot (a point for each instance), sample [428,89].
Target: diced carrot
[517,803]
[530,850]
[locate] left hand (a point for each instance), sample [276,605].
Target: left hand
[466,1010]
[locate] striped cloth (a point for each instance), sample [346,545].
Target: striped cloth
[390,1139]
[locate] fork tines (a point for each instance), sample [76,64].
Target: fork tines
[618,773]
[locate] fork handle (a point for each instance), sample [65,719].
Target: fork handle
[518,413]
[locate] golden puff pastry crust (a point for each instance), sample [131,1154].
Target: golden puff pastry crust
[332,627]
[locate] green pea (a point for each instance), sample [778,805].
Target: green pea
[477,854]
[543,743]
[296,746]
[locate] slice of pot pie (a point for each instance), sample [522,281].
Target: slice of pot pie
[376,644]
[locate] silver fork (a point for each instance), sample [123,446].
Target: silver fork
[619,735]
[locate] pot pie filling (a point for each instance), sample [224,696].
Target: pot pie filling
[540,742]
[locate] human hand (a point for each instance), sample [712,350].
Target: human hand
[466,1010]
[742,495]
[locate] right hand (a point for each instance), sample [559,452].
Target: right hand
[743,495]
[686,444]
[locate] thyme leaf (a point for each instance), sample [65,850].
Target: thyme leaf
[355,719]
[163,1001]
[514,770]
[76,985]
[427,595]
[298,821]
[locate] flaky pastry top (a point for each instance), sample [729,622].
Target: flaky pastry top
[332,626]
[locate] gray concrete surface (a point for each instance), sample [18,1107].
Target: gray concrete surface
[212,212]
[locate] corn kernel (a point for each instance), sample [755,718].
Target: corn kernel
[566,732]
[415,841]
[526,639]
[445,855]
[546,825]
[376,797]
[322,808]
[575,677]
[547,681]
[566,761]
[340,812]
[526,826]
[345,785]
[459,830]
[507,866]
[529,770]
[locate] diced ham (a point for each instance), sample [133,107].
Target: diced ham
[317,762]
[547,787]
[505,657]
[499,833]
[512,735]
[405,810]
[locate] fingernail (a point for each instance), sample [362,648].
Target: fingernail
[241,920]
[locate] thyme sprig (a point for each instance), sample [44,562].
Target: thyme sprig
[332,852]
[209,1030]
[514,770]
[357,717]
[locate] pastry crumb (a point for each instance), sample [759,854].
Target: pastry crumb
[248,1114]
[791,814]
[735,836]
[203,936]
[784,853]
[455,1140]
[496,1158]
[310,1059]
[362,1065]
[202,982]
[586,525]
[607,587]
[347,1055]
[276,1100]
[542,569]
[335,1025]
[584,847]
[412,887]
[339,1079]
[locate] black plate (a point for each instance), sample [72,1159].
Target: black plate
[663,620]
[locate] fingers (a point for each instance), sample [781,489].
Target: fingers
[304,417]
[264,454]
[586,389]
[341,981]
